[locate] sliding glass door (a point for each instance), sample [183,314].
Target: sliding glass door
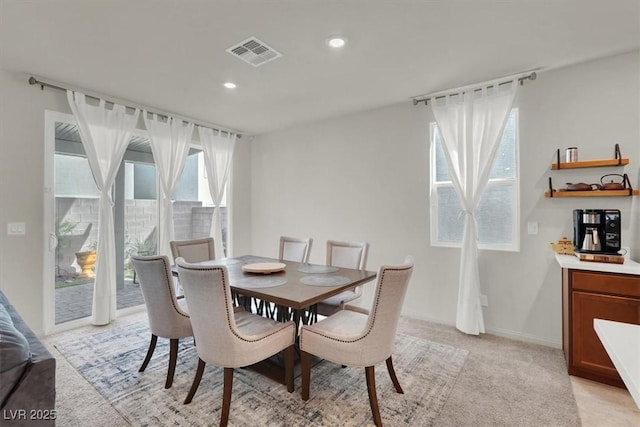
[75,223]
[76,227]
[71,218]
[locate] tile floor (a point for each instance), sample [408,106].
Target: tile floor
[601,405]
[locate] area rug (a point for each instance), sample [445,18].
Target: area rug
[110,360]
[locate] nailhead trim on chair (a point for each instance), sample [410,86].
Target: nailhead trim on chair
[375,311]
[169,283]
[226,304]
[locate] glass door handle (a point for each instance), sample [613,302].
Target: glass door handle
[53,242]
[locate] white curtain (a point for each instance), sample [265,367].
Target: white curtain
[170,140]
[105,135]
[218,151]
[471,129]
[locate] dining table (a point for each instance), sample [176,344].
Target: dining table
[295,286]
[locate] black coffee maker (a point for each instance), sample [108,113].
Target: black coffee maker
[597,230]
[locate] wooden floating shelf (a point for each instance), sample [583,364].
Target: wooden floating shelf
[616,161]
[592,193]
[590,164]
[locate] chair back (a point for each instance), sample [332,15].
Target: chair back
[295,249]
[347,254]
[208,295]
[166,318]
[379,334]
[194,250]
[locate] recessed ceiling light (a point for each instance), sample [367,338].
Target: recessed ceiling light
[336,41]
[229,85]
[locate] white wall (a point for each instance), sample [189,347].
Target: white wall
[21,191]
[365,177]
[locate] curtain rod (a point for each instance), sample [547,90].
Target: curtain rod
[425,98]
[127,104]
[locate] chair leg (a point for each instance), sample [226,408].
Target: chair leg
[289,356]
[373,398]
[226,396]
[152,347]
[392,374]
[196,381]
[305,368]
[173,357]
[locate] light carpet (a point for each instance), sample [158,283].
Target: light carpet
[110,360]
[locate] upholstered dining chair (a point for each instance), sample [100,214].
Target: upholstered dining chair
[352,338]
[194,250]
[168,317]
[226,337]
[295,249]
[345,255]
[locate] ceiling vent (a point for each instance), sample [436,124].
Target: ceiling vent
[254,52]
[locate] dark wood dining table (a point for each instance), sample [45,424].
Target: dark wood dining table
[299,286]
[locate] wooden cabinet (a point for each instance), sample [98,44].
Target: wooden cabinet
[587,295]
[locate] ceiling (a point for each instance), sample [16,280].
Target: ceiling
[170,54]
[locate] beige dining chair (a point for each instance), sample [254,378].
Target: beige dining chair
[168,317]
[194,250]
[295,249]
[344,255]
[226,337]
[352,338]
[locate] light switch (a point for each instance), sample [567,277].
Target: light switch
[16,229]
[532,227]
[484,301]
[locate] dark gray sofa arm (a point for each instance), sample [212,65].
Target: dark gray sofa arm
[31,401]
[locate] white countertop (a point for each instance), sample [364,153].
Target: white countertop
[571,261]
[622,343]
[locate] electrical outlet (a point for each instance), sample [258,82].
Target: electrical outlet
[484,301]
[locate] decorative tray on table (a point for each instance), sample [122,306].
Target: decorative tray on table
[264,267]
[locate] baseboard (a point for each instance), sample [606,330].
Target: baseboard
[85,321]
[504,333]
[532,339]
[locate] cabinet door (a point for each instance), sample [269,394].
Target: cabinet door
[588,354]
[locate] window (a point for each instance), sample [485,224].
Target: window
[498,212]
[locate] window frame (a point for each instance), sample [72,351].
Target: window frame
[434,185]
